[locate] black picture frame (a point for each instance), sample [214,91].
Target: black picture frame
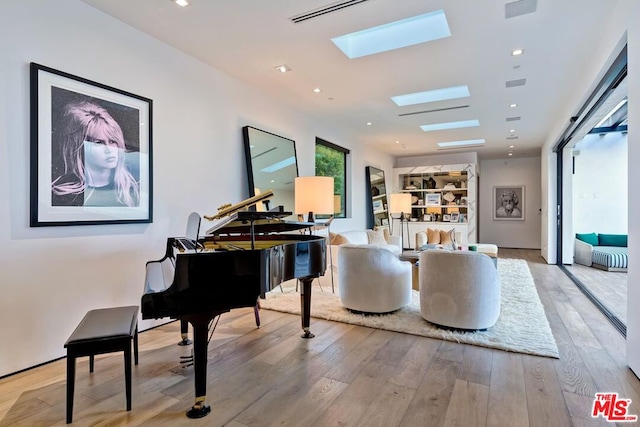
[508,203]
[106,180]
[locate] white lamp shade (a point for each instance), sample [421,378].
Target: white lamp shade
[400,203]
[314,194]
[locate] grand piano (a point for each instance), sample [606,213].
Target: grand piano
[237,261]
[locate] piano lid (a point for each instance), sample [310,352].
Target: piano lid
[263,223]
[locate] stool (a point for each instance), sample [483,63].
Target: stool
[102,331]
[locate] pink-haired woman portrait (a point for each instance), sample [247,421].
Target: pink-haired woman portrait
[92,169]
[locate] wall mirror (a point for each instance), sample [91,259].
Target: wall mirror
[271,165]
[377,210]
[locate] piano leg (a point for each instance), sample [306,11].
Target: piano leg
[184,333]
[305,306]
[200,325]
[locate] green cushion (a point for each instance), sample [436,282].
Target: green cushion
[590,238]
[619,240]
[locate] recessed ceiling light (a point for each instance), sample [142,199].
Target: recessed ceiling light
[517,52]
[283,68]
[512,130]
[431,95]
[394,35]
[182,3]
[450,125]
[461,143]
[369,123]
[511,146]
[317,90]
[397,142]
[511,154]
[513,105]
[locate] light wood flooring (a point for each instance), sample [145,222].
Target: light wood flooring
[610,287]
[346,376]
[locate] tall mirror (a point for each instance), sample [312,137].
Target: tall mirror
[271,165]
[377,209]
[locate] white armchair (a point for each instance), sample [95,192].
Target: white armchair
[582,252]
[459,289]
[372,279]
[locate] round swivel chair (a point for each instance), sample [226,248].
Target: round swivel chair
[459,289]
[372,279]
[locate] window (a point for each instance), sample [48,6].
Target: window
[331,160]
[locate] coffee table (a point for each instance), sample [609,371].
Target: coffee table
[413,257]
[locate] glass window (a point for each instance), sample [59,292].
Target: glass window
[331,160]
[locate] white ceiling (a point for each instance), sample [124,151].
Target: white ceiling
[248,38]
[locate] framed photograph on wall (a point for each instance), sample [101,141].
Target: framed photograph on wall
[508,203]
[91,152]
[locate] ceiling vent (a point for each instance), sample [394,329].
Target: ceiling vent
[462,147]
[514,83]
[334,7]
[520,7]
[433,111]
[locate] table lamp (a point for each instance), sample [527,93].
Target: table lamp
[314,194]
[400,203]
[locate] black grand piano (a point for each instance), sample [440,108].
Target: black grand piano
[236,262]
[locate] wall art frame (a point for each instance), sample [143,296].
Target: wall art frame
[91,152]
[509,203]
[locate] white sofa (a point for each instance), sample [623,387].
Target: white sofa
[372,279]
[459,289]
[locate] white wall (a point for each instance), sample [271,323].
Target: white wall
[600,184]
[50,276]
[512,172]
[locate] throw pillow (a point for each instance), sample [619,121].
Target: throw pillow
[448,238]
[619,240]
[433,236]
[376,237]
[590,238]
[339,239]
[387,235]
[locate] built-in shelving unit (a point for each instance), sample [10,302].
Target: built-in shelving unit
[443,197]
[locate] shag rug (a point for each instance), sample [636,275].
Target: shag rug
[522,326]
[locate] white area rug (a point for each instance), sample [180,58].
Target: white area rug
[522,326]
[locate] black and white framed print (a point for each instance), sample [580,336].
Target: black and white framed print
[91,152]
[508,203]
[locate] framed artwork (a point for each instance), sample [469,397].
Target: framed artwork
[432,199]
[508,203]
[91,152]
[455,217]
[446,218]
[377,206]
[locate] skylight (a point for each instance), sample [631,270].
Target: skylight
[394,35]
[450,125]
[279,165]
[461,143]
[431,95]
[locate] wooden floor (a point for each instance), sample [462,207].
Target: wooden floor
[346,376]
[609,287]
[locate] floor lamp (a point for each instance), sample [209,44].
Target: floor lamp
[400,203]
[314,195]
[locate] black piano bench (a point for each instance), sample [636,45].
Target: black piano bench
[104,330]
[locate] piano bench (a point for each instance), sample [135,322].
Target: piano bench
[104,330]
